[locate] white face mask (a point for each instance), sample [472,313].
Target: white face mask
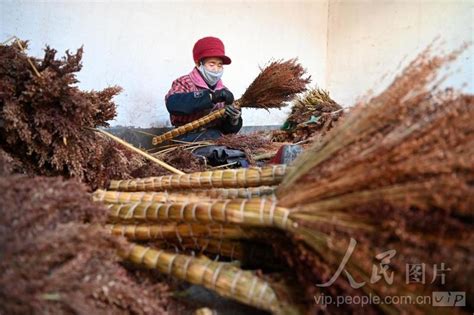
[211,77]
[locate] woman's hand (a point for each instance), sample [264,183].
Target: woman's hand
[223,95]
[233,113]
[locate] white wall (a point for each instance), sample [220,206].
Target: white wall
[369,39]
[144,46]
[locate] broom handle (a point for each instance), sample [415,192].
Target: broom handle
[142,153]
[229,178]
[191,126]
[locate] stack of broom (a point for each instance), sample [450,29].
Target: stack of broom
[394,180]
[199,212]
[391,184]
[313,113]
[43,93]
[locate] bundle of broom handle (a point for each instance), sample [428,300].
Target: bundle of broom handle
[192,125]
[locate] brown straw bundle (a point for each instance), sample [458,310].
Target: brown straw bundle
[384,140]
[55,259]
[46,120]
[396,175]
[276,84]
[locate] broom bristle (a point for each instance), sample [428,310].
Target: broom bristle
[388,137]
[276,84]
[397,174]
[312,103]
[312,114]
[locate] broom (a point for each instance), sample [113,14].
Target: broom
[275,84]
[409,148]
[183,195]
[229,178]
[170,231]
[405,154]
[397,174]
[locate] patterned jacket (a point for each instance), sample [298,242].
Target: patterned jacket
[190,98]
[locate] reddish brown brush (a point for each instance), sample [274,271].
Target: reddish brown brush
[73,269]
[384,140]
[31,205]
[408,232]
[396,174]
[45,119]
[9,165]
[276,84]
[53,262]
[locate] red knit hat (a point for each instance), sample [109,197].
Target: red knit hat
[210,47]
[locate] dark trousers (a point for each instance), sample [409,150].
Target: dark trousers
[208,134]
[215,155]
